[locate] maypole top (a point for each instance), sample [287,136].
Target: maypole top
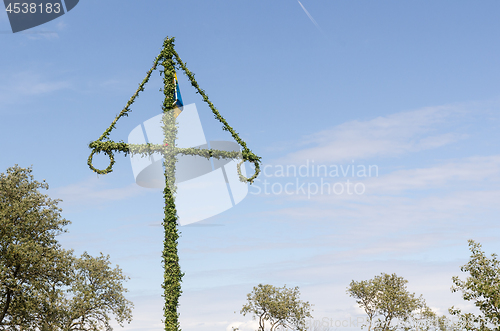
[169,59]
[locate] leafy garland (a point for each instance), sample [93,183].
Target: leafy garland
[103,144]
[169,60]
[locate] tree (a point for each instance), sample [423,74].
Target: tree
[445,324]
[97,290]
[365,292]
[384,299]
[30,256]
[482,287]
[424,319]
[42,286]
[280,306]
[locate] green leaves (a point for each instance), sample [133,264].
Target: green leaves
[387,298]
[482,287]
[29,253]
[96,292]
[277,307]
[169,60]
[42,286]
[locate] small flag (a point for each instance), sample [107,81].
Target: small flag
[178,99]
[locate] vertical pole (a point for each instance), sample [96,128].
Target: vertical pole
[172,272]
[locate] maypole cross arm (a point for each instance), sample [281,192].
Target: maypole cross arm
[169,59]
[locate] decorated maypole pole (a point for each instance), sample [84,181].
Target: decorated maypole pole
[172,272]
[170,60]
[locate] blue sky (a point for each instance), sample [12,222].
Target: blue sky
[411,88]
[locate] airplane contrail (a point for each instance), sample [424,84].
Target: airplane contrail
[310,17]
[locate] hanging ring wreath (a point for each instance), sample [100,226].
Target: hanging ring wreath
[111,162]
[250,179]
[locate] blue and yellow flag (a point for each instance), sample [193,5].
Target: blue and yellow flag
[178,105]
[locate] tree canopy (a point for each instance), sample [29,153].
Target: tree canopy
[43,286]
[385,299]
[277,306]
[482,287]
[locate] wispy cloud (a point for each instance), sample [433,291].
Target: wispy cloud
[95,191]
[61,25]
[382,136]
[28,84]
[473,173]
[37,35]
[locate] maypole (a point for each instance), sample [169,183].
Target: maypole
[170,60]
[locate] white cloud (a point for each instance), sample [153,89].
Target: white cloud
[37,35]
[382,136]
[443,191]
[95,191]
[61,25]
[396,211]
[25,85]
[473,172]
[403,212]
